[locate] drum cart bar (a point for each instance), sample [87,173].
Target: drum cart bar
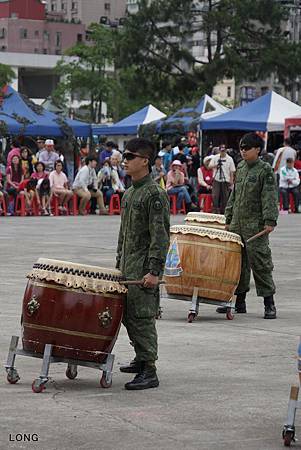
[288,432]
[38,384]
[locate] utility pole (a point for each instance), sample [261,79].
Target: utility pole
[295,18]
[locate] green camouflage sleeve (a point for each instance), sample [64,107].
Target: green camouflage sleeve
[269,198]
[229,207]
[119,247]
[159,224]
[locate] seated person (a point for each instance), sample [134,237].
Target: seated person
[44,192]
[2,193]
[40,172]
[59,185]
[289,184]
[28,188]
[106,179]
[158,172]
[205,178]
[14,176]
[85,186]
[175,184]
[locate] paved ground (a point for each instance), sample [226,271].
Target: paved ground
[224,384]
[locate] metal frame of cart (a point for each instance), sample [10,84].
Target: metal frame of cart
[288,432]
[195,302]
[38,385]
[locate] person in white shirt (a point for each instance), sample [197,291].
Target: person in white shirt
[289,184]
[85,186]
[223,176]
[59,186]
[282,155]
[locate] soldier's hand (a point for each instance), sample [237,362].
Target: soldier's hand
[150,281]
[269,228]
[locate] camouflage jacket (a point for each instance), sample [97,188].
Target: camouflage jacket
[254,200]
[144,231]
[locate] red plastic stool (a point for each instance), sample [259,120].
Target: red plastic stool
[74,203]
[173,205]
[114,207]
[20,205]
[206,199]
[3,205]
[291,203]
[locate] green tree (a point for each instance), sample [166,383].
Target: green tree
[6,75]
[242,39]
[88,72]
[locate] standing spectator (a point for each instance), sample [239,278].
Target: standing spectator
[289,184]
[107,152]
[116,165]
[14,176]
[166,156]
[28,188]
[85,186]
[101,147]
[107,181]
[159,172]
[223,176]
[175,185]
[282,155]
[26,161]
[180,156]
[59,186]
[297,163]
[48,156]
[41,146]
[205,177]
[192,168]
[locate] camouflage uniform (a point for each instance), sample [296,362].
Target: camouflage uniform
[252,205]
[142,246]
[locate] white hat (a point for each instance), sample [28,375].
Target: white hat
[49,142]
[176,163]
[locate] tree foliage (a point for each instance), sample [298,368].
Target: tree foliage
[6,75]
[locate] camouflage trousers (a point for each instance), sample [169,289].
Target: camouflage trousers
[139,318]
[257,256]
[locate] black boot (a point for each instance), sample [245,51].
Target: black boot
[144,380]
[240,305]
[133,367]
[269,308]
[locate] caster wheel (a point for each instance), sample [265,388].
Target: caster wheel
[71,373]
[288,438]
[13,376]
[229,314]
[106,381]
[191,317]
[38,386]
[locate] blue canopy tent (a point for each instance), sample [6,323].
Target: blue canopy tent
[34,120]
[131,124]
[8,125]
[186,119]
[266,113]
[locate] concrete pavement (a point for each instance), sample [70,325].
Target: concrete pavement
[224,384]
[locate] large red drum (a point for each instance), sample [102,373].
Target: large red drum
[76,308]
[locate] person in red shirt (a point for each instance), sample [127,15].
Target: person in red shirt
[14,176]
[297,163]
[205,178]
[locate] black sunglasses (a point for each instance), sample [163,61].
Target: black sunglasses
[245,148]
[129,156]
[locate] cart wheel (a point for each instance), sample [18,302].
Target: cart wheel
[38,386]
[191,317]
[12,376]
[71,373]
[106,380]
[288,438]
[229,314]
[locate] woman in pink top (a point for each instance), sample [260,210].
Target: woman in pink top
[175,185]
[59,185]
[39,173]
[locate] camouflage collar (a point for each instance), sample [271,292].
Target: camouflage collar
[142,181]
[252,163]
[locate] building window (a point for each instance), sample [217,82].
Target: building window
[264,90]
[37,33]
[58,39]
[53,6]
[247,94]
[46,35]
[74,6]
[58,52]
[23,33]
[107,7]
[79,38]
[2,33]
[229,91]
[36,50]
[45,51]
[63,6]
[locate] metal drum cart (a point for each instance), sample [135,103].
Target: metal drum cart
[72,314]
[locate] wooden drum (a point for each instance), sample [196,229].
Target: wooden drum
[208,259]
[75,307]
[207,220]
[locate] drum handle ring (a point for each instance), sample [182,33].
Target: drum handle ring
[32,306]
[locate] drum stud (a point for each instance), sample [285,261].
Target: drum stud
[33,305]
[105,318]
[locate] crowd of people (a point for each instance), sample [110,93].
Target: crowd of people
[41,176]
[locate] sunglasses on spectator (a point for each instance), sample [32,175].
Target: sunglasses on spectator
[245,148]
[129,156]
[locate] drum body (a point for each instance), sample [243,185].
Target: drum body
[82,323]
[210,261]
[207,220]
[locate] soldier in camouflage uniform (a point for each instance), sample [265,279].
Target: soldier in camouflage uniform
[142,248]
[253,207]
